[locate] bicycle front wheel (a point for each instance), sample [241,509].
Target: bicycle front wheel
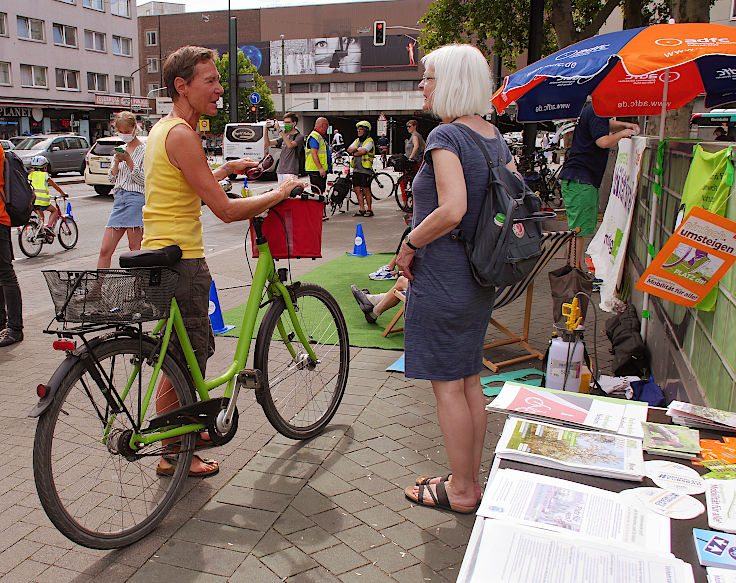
[30,239]
[382,185]
[68,232]
[89,490]
[300,396]
[403,193]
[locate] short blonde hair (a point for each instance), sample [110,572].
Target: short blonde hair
[462,81]
[126,117]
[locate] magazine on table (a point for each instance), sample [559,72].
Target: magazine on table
[720,575]
[512,552]
[702,417]
[715,549]
[572,409]
[720,498]
[671,440]
[596,515]
[574,450]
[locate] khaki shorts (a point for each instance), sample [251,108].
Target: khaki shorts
[193,298]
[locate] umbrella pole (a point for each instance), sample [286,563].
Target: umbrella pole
[654,208]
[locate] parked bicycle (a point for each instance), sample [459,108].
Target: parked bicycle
[100,434]
[403,188]
[381,186]
[34,234]
[540,178]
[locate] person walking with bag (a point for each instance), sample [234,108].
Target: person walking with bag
[447,312]
[11,306]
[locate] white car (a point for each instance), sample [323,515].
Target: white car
[6,144]
[98,162]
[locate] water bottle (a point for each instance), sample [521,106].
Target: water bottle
[499,219]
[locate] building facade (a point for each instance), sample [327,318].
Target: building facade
[66,65]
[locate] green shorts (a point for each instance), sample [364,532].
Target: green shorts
[581,202]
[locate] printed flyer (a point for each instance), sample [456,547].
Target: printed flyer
[693,261]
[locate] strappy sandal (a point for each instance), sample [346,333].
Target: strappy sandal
[359,214]
[427,480]
[368,213]
[440,500]
[172,461]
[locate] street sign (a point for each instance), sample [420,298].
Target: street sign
[255,98]
[246,80]
[204,125]
[382,125]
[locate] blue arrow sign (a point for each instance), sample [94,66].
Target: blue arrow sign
[255,98]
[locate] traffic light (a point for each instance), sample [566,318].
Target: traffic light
[379,33]
[254,112]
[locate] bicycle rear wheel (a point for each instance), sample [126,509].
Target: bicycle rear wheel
[31,239]
[298,396]
[68,232]
[382,185]
[92,494]
[403,193]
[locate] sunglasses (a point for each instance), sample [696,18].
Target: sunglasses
[263,166]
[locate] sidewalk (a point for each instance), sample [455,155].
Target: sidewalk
[330,509]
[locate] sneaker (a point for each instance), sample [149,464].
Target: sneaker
[383,273]
[9,336]
[365,304]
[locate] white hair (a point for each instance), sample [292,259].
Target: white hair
[462,81]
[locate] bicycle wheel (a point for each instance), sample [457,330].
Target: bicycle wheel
[30,238]
[403,193]
[382,185]
[92,494]
[68,232]
[300,397]
[555,189]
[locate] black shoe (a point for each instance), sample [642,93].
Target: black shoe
[364,304]
[9,336]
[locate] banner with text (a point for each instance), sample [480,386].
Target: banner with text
[608,247]
[693,260]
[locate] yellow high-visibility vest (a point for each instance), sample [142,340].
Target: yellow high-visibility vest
[367,158]
[40,182]
[309,164]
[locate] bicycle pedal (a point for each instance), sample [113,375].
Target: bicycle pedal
[250,378]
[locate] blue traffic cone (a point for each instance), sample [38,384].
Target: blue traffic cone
[359,249]
[69,210]
[218,324]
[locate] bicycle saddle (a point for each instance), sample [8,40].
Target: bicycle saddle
[164,257]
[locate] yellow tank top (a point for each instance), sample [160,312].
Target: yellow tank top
[171,215]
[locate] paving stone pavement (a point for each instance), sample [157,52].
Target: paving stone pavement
[329,509]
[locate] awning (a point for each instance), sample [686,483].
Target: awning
[30,103]
[714,117]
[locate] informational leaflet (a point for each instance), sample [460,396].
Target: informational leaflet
[720,498]
[586,452]
[719,575]
[512,553]
[699,416]
[573,409]
[598,516]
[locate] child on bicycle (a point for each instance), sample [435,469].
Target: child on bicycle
[40,181]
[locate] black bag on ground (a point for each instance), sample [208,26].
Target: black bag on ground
[18,195]
[502,255]
[630,357]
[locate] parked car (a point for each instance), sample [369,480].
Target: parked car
[15,140]
[65,152]
[98,161]
[6,144]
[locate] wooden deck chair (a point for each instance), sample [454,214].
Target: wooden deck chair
[552,242]
[400,312]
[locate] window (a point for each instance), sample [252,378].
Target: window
[94,41]
[120,7]
[97,82]
[122,46]
[4,73]
[298,87]
[93,4]
[314,87]
[68,1]
[123,84]
[30,28]
[152,64]
[401,85]
[67,79]
[371,86]
[348,87]
[153,87]
[151,38]
[3,24]
[33,76]
[65,35]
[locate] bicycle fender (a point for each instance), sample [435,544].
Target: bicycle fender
[53,385]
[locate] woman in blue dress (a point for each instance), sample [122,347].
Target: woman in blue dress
[447,312]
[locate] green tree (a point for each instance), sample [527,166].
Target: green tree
[265,107]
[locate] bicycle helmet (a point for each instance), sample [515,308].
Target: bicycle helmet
[39,162]
[363,124]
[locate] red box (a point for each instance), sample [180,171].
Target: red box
[301,220]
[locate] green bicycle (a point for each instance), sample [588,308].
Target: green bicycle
[105,418]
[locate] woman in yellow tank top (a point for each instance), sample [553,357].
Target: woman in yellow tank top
[177,180]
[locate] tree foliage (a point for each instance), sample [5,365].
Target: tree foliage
[265,107]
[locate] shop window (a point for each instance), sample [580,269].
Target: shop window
[33,76]
[67,79]
[30,29]
[123,84]
[151,38]
[93,4]
[122,46]
[152,64]
[5,73]
[94,41]
[97,82]
[120,8]
[65,35]
[3,24]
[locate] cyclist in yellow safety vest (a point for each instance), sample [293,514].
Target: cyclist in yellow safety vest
[40,181]
[363,150]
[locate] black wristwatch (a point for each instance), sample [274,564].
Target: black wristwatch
[409,244]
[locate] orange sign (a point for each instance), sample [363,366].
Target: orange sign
[693,261]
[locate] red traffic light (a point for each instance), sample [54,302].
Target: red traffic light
[379,33]
[253,108]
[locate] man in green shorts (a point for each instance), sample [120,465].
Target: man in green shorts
[583,170]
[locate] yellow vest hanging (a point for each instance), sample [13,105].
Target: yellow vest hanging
[309,164]
[40,183]
[367,158]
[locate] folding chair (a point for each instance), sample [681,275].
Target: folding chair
[552,242]
[400,312]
